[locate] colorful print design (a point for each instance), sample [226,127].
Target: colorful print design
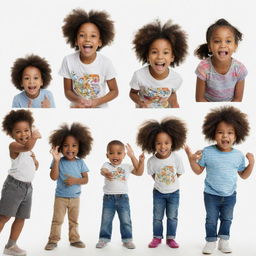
[119,174]
[86,86]
[167,175]
[158,97]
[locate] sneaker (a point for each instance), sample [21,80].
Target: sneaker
[209,247]
[223,246]
[14,250]
[50,246]
[129,245]
[78,244]
[155,242]
[101,244]
[172,243]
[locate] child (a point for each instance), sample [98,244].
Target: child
[165,166]
[32,75]
[116,192]
[226,126]
[69,146]
[86,72]
[219,76]
[17,189]
[155,85]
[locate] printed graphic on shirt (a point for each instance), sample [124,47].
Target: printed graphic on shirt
[119,174]
[167,175]
[86,86]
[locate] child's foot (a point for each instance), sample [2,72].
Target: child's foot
[129,245]
[209,247]
[14,250]
[101,244]
[172,243]
[78,244]
[50,246]
[223,246]
[155,242]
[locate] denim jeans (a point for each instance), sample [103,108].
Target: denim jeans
[165,202]
[218,207]
[111,204]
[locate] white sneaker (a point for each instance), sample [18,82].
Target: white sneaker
[15,251]
[223,246]
[209,247]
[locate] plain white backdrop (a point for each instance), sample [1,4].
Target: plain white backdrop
[35,27]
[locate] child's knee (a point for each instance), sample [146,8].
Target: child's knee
[4,219]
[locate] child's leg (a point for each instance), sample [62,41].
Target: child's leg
[159,206]
[73,212]
[123,210]
[59,211]
[226,216]
[172,214]
[108,213]
[16,228]
[3,220]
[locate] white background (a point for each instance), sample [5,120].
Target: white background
[31,26]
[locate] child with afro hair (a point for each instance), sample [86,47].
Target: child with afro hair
[160,46]
[226,126]
[16,196]
[31,75]
[86,72]
[69,146]
[165,167]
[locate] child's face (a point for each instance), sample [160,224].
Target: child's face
[88,40]
[21,132]
[70,148]
[163,145]
[116,154]
[222,44]
[225,136]
[160,56]
[31,81]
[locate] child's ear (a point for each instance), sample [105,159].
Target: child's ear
[100,43]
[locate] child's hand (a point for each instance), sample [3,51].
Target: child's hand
[45,103]
[107,174]
[35,133]
[55,153]
[194,157]
[70,180]
[129,150]
[142,157]
[34,159]
[250,158]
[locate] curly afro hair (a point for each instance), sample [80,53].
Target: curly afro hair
[30,61]
[115,142]
[14,117]
[202,51]
[78,131]
[78,17]
[148,131]
[229,115]
[153,31]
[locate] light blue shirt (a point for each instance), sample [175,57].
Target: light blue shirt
[72,168]
[221,170]
[21,100]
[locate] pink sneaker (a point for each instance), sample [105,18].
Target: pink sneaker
[172,243]
[155,242]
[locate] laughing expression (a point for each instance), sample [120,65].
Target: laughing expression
[225,136]
[163,145]
[31,81]
[21,132]
[160,56]
[116,154]
[70,148]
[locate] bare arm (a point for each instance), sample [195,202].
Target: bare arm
[248,170]
[106,173]
[54,174]
[35,160]
[70,95]
[173,101]
[200,90]
[239,91]
[70,180]
[134,95]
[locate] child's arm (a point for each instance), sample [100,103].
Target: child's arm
[134,95]
[45,103]
[54,174]
[248,170]
[173,101]
[106,173]
[239,91]
[138,165]
[197,169]
[70,180]
[200,90]
[35,160]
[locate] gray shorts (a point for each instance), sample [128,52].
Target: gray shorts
[16,198]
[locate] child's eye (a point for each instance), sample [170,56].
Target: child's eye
[228,41]
[216,41]
[25,78]
[166,52]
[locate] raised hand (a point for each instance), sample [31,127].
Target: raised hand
[35,133]
[45,103]
[196,156]
[129,150]
[250,158]
[55,153]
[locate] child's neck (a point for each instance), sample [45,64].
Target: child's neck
[32,96]
[221,67]
[88,60]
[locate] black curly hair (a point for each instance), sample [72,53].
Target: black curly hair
[14,117]
[202,51]
[115,142]
[153,31]
[229,115]
[30,61]
[173,126]
[80,132]
[78,17]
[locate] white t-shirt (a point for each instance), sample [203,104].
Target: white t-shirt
[88,80]
[119,183]
[166,170]
[157,91]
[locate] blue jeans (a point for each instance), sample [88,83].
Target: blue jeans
[218,207]
[111,204]
[165,202]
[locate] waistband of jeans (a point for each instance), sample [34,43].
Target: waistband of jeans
[18,182]
[116,195]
